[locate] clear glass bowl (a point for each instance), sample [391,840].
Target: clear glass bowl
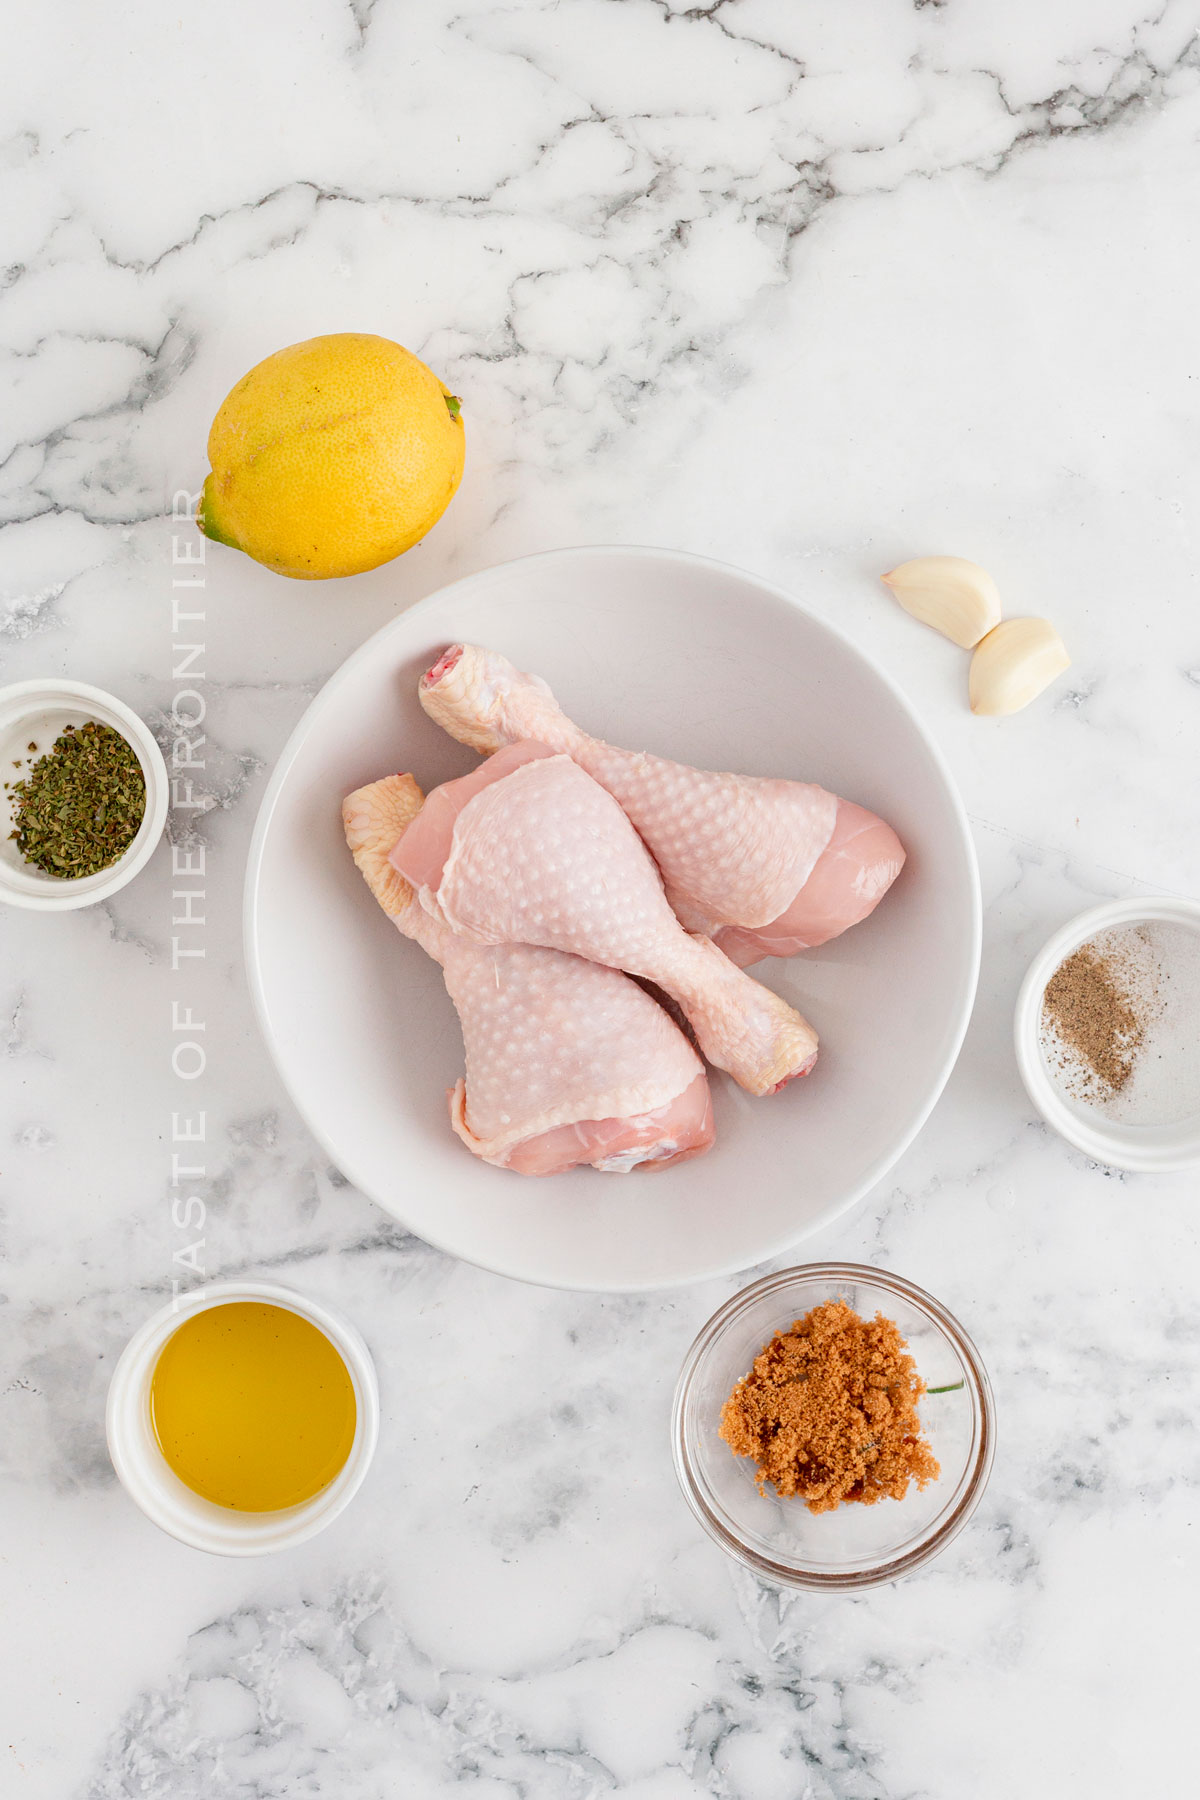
[856,1546]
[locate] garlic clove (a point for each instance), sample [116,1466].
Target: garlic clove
[1013,664]
[955,596]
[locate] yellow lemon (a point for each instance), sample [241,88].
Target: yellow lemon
[332,457]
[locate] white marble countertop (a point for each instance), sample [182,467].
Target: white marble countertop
[806,286]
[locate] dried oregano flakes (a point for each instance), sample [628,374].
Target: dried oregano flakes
[79,808]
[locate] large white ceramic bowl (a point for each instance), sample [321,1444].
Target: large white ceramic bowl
[702,663]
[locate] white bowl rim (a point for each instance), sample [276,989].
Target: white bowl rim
[187,1516]
[88,890]
[972,1485]
[1106,1141]
[345,671]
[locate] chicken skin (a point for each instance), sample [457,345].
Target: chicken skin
[529,849]
[567,1063]
[764,867]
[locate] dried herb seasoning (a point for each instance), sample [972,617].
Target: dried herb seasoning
[79,808]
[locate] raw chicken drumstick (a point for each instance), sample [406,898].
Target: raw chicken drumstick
[567,1063]
[529,849]
[764,867]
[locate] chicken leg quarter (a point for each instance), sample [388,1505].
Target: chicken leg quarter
[529,849]
[567,1062]
[764,867]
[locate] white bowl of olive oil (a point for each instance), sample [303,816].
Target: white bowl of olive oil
[40,722]
[242,1418]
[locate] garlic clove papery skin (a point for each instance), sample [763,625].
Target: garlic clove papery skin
[955,596]
[1013,664]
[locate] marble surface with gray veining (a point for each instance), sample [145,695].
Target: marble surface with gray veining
[803,285]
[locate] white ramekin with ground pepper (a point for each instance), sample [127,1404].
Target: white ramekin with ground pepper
[1159,1139]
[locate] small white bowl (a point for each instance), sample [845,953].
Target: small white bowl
[40,711]
[147,1477]
[1146,1149]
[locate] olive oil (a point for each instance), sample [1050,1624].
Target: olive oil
[252,1406]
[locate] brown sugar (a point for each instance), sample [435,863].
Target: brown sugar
[829,1411]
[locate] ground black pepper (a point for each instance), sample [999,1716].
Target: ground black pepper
[1088,1004]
